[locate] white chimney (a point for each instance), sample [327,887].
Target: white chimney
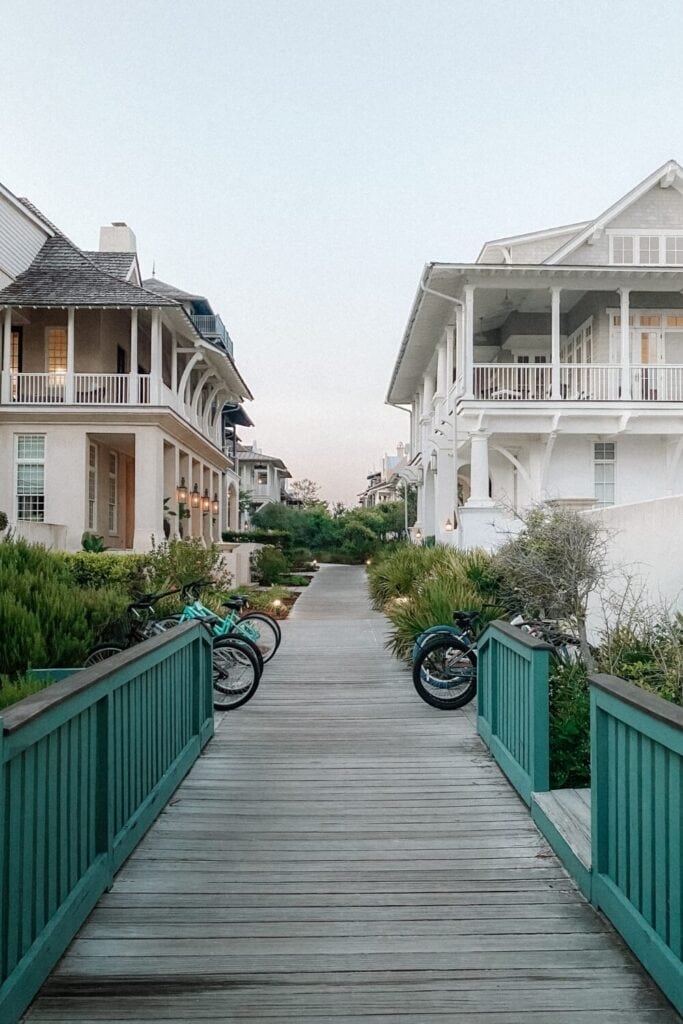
[117,237]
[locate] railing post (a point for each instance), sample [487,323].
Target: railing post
[555,342]
[540,721]
[104,827]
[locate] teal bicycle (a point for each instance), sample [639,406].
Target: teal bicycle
[258,628]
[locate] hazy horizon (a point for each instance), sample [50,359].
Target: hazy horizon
[298,162]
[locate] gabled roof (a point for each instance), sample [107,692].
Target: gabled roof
[670,173]
[63,275]
[249,455]
[531,236]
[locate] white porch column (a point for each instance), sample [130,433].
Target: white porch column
[6,356]
[625,345]
[155,361]
[174,366]
[70,349]
[427,395]
[479,470]
[468,343]
[441,383]
[133,370]
[555,294]
[149,488]
[450,354]
[459,343]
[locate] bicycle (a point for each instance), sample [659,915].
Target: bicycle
[236,664]
[258,628]
[445,662]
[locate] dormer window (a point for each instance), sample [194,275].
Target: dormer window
[640,248]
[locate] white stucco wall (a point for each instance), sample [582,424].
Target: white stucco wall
[647,539]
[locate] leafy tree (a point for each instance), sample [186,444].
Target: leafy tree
[306,491]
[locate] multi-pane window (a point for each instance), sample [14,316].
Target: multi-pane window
[622,249]
[92,486]
[31,477]
[604,457]
[56,353]
[113,493]
[261,476]
[674,321]
[648,248]
[578,347]
[674,249]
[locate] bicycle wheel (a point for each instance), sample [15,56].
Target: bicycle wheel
[261,630]
[445,673]
[161,625]
[236,673]
[101,652]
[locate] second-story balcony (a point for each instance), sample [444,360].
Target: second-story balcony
[213,327]
[587,382]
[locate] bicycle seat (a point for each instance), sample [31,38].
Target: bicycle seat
[465,618]
[235,603]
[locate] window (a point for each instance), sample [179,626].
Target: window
[92,486]
[261,476]
[604,461]
[647,320]
[674,321]
[648,248]
[622,249]
[113,493]
[56,353]
[31,477]
[674,249]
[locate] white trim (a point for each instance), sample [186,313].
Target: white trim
[29,214]
[533,236]
[113,507]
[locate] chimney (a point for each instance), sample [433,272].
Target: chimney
[399,449]
[117,237]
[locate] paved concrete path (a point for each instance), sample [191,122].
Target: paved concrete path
[343,853]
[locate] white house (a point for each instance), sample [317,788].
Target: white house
[263,478]
[385,484]
[111,392]
[549,369]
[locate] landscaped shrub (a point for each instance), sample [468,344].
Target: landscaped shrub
[648,652]
[107,570]
[12,690]
[269,564]
[3,521]
[175,562]
[570,743]
[282,538]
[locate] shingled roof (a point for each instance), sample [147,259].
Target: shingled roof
[64,275]
[117,263]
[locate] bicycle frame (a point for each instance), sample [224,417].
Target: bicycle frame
[230,624]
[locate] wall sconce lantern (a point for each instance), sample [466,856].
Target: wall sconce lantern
[215,507]
[206,501]
[181,492]
[418,534]
[195,497]
[449,524]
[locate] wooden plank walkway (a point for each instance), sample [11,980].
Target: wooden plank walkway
[343,853]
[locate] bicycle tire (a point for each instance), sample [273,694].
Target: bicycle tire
[445,673]
[269,633]
[100,652]
[235,673]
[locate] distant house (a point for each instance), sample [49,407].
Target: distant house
[551,369]
[111,393]
[385,484]
[262,478]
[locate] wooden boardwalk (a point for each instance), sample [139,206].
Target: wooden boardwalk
[343,853]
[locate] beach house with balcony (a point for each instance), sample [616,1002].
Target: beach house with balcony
[112,392]
[550,369]
[263,479]
[385,483]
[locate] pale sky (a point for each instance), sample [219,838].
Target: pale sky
[298,162]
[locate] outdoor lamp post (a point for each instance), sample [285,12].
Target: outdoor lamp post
[181,492]
[195,497]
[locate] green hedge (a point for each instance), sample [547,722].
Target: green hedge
[106,570]
[282,538]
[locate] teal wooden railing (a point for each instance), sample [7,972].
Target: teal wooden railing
[86,765]
[512,704]
[637,823]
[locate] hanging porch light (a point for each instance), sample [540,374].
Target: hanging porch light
[206,501]
[195,497]
[181,492]
[215,507]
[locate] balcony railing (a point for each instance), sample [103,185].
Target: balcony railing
[578,382]
[514,382]
[213,327]
[83,389]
